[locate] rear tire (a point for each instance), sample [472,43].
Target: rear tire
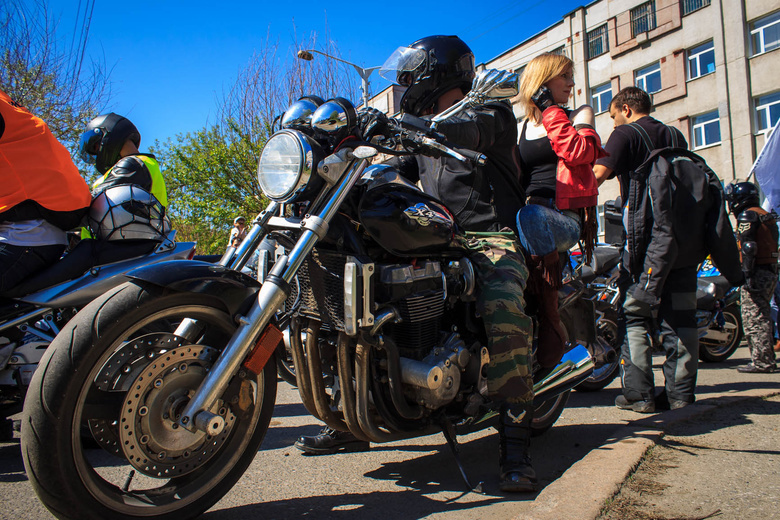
[717,351]
[79,384]
[548,412]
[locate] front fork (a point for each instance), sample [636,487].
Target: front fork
[273,292]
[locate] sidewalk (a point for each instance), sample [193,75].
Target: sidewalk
[723,463]
[700,459]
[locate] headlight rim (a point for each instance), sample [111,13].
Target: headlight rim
[309,157]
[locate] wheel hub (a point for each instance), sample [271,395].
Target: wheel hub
[150,436]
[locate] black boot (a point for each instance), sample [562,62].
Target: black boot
[514,440]
[330,441]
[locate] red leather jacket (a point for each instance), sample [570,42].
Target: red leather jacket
[577,150]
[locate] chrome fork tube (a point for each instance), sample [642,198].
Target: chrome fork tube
[197,415]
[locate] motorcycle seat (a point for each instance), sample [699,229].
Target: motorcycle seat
[86,255]
[709,290]
[605,258]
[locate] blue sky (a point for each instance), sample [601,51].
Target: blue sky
[171,60]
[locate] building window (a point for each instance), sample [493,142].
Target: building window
[560,50]
[706,130]
[765,33]
[642,18]
[601,96]
[689,6]
[598,43]
[767,111]
[649,78]
[701,60]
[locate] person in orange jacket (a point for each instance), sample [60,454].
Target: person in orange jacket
[42,194]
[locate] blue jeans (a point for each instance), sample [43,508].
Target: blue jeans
[19,262]
[542,230]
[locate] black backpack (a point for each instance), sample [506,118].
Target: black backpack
[700,222]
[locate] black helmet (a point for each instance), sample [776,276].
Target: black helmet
[448,63]
[103,139]
[741,195]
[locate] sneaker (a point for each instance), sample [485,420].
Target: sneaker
[636,406]
[750,368]
[330,441]
[676,404]
[777,346]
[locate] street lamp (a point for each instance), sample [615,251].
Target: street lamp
[364,73]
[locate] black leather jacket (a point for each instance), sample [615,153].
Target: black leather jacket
[482,198]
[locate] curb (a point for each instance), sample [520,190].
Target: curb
[584,489]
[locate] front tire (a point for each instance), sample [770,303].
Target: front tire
[116,375]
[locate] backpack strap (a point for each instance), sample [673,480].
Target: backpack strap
[675,140]
[644,136]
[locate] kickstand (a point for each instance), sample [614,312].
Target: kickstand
[449,433]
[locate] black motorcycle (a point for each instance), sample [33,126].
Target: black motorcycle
[170,372]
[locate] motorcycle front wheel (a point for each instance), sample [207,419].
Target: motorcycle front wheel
[720,343]
[100,437]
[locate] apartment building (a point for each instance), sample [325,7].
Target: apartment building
[710,65]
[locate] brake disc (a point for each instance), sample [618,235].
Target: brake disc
[150,436]
[119,372]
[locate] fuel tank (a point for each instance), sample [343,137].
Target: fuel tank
[404,220]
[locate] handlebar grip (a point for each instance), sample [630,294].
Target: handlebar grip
[476,157]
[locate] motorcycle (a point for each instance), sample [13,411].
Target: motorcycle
[34,312]
[718,316]
[171,372]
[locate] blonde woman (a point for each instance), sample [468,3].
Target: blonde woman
[557,149]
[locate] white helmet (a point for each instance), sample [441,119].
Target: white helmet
[127,212]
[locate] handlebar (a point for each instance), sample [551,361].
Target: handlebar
[419,131]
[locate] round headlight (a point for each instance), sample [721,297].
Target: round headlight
[285,168]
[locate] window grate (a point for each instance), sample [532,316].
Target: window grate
[689,6]
[643,18]
[598,42]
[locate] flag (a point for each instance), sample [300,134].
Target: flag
[767,168]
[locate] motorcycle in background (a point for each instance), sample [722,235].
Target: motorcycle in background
[171,372]
[35,311]
[717,314]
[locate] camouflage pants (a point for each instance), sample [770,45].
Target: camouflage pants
[501,278]
[756,319]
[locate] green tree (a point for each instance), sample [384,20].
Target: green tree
[211,173]
[44,74]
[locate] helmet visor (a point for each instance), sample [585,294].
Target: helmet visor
[90,145]
[399,67]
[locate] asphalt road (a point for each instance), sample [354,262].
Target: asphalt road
[418,478]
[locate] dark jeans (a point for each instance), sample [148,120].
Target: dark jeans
[19,262]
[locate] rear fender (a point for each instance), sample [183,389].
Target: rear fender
[234,289]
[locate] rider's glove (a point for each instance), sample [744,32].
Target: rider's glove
[373,123]
[543,98]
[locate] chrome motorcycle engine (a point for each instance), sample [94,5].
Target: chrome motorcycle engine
[434,381]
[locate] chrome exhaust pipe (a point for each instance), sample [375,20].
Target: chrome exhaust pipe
[575,367]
